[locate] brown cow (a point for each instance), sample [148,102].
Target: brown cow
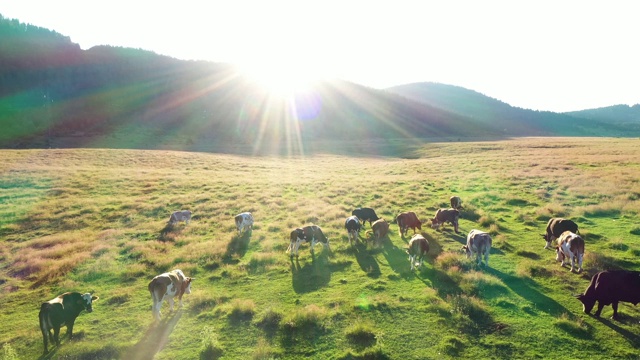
[555,228]
[610,287]
[446,216]
[380,229]
[572,246]
[408,220]
[167,286]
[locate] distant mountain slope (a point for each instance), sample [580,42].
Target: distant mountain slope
[619,115]
[515,121]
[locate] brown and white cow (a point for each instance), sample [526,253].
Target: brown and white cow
[478,244]
[456,202]
[570,246]
[555,228]
[380,229]
[177,216]
[408,220]
[446,216]
[418,248]
[309,233]
[167,286]
[244,222]
[62,311]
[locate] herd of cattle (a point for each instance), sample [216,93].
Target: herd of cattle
[606,287]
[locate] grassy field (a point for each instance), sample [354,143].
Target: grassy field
[95,220]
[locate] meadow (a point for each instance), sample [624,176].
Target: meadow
[96,220]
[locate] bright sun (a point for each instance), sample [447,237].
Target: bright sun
[282,79]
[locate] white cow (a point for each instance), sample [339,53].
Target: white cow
[572,246]
[167,286]
[478,243]
[182,215]
[418,249]
[244,222]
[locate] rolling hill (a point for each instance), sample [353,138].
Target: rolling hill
[54,94]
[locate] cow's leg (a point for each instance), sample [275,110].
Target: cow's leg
[455,226]
[46,334]
[411,261]
[580,257]
[614,305]
[180,301]
[486,258]
[600,306]
[170,301]
[313,244]
[297,246]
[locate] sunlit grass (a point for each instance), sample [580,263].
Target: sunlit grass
[95,220]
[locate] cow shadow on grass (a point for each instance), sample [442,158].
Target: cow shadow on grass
[312,275]
[528,289]
[237,247]
[154,339]
[633,339]
[367,262]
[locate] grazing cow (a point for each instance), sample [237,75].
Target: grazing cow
[608,288]
[62,311]
[555,228]
[244,222]
[352,224]
[167,286]
[572,246]
[380,229]
[408,220]
[418,248]
[456,202]
[310,233]
[182,215]
[478,243]
[446,216]
[365,214]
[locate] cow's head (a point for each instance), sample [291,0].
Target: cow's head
[434,223]
[87,300]
[187,285]
[466,250]
[548,239]
[587,303]
[419,224]
[559,254]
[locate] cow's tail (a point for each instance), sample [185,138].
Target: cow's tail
[43,316]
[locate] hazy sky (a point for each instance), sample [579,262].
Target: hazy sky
[546,55]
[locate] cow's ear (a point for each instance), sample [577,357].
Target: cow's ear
[94,298]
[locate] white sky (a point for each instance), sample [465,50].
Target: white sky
[558,55]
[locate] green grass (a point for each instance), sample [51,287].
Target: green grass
[95,220]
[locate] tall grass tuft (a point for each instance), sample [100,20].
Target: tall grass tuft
[242,309]
[310,317]
[210,347]
[361,335]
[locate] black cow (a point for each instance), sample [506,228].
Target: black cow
[62,311]
[352,224]
[555,228]
[365,214]
[610,287]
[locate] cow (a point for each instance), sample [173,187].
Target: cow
[418,248]
[310,233]
[478,243]
[182,215]
[352,224]
[62,311]
[408,220]
[167,286]
[380,229]
[244,222]
[456,202]
[572,246]
[365,214]
[555,228]
[446,216]
[608,288]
